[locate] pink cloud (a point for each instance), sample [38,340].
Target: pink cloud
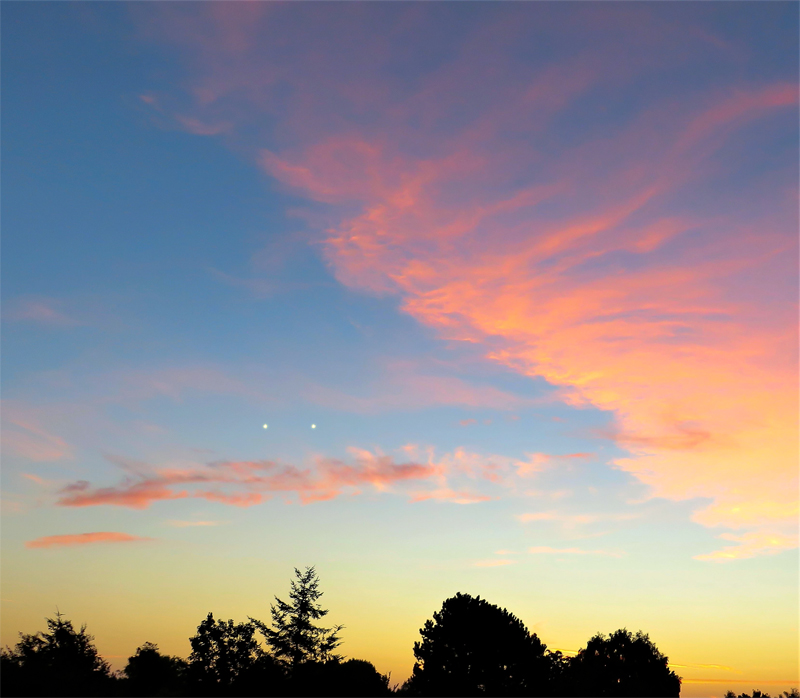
[247,483]
[136,495]
[23,435]
[451,477]
[445,494]
[405,384]
[72,539]
[621,267]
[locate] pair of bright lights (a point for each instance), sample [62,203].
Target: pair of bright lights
[313,426]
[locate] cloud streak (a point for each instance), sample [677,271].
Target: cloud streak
[547,550]
[248,483]
[458,477]
[78,539]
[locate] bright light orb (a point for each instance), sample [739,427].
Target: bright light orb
[265,426]
[313,426]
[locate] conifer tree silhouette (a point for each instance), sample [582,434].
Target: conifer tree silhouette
[294,637]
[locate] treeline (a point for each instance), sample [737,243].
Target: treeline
[469,648]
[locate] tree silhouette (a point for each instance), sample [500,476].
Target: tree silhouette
[227,659]
[793,693]
[294,638]
[472,648]
[61,662]
[354,677]
[150,673]
[622,665]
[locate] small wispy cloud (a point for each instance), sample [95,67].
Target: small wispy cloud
[753,544]
[494,563]
[445,494]
[540,461]
[573,519]
[201,128]
[23,436]
[44,311]
[246,483]
[72,539]
[547,550]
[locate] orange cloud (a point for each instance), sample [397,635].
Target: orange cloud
[71,539]
[247,483]
[445,494]
[703,385]
[620,265]
[751,544]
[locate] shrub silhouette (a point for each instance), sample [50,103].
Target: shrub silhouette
[793,693]
[473,648]
[62,661]
[353,677]
[621,665]
[150,673]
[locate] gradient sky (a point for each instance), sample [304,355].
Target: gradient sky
[531,270]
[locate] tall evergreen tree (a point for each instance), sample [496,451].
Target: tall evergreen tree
[294,636]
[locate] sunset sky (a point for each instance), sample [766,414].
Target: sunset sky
[498,298]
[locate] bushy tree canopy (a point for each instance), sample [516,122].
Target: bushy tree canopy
[150,673]
[622,664]
[227,659]
[472,647]
[62,661]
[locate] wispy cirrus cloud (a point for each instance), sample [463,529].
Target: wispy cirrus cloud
[574,519]
[752,544]
[24,435]
[445,494]
[459,477]
[547,550]
[634,263]
[76,539]
[247,483]
[43,311]
[494,563]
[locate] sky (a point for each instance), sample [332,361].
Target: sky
[491,298]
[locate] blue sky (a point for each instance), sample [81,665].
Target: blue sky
[530,270]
